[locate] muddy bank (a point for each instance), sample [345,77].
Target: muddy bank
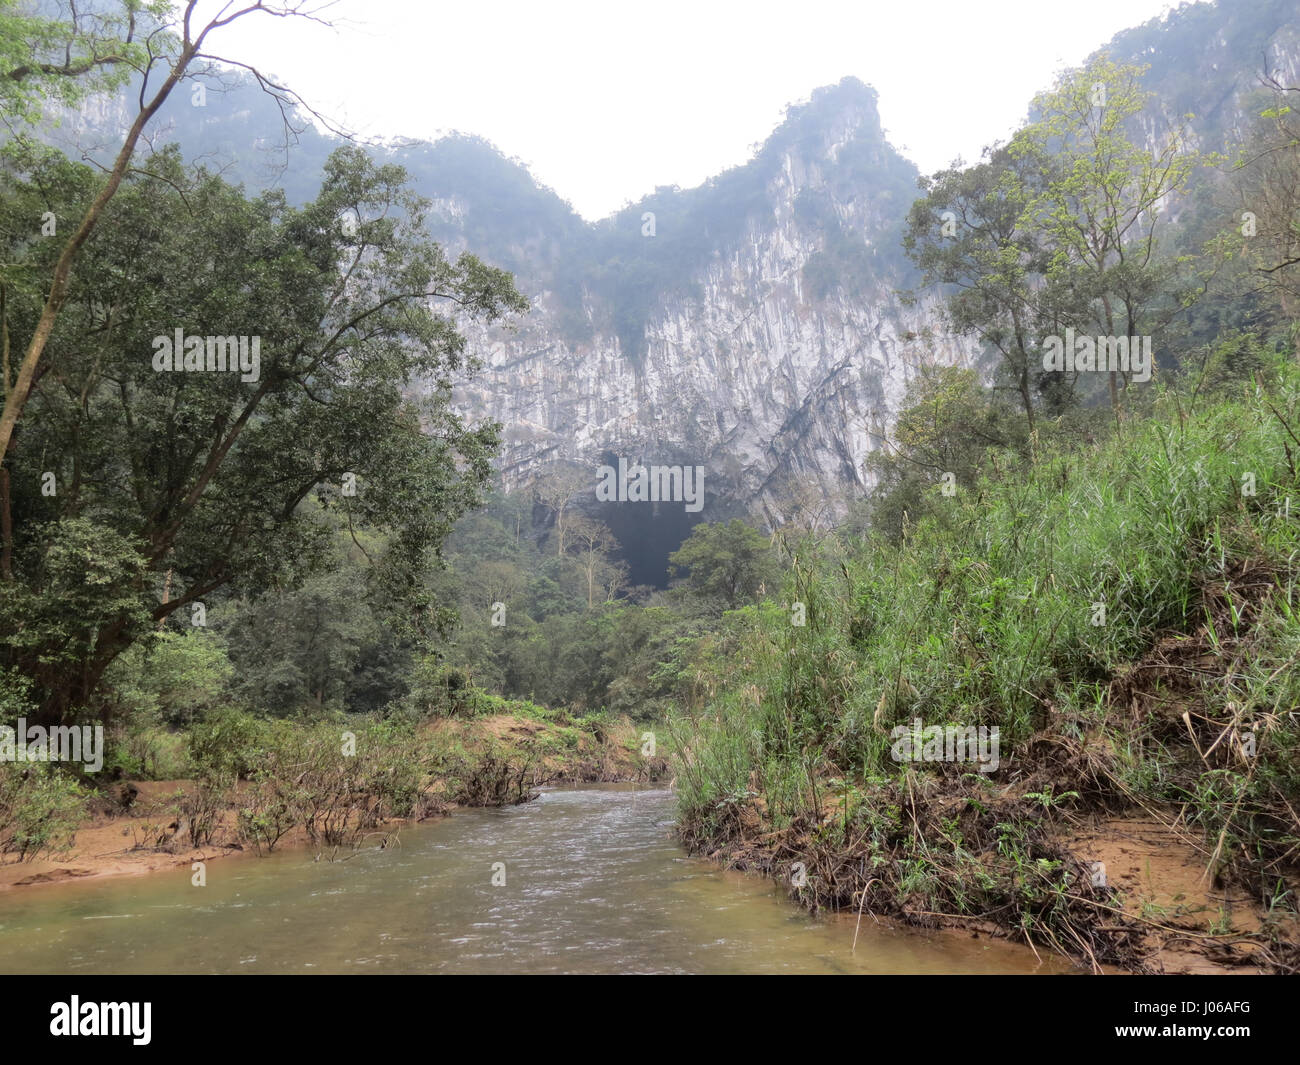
[1150,827]
[136,827]
[1113,893]
[1185,922]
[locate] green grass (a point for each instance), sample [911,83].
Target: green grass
[989,613]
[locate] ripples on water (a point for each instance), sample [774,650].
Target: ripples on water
[593,884]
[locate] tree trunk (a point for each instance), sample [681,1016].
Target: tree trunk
[16,398]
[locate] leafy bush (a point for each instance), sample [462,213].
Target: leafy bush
[40,809]
[228,745]
[173,678]
[338,782]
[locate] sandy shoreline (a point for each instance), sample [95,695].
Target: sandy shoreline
[120,839]
[110,844]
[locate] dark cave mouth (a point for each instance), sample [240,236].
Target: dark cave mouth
[647,534]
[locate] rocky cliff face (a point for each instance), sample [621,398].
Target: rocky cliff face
[777,385]
[779,398]
[779,360]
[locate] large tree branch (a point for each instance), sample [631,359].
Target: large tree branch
[191,47]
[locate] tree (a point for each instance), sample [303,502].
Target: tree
[728,562]
[300,646]
[1098,203]
[556,490]
[68,54]
[1058,229]
[948,423]
[173,677]
[225,478]
[1268,186]
[38,53]
[596,545]
[972,231]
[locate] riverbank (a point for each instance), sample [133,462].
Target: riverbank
[1156,914]
[1058,700]
[1056,850]
[134,827]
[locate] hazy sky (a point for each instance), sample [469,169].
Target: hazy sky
[606,100]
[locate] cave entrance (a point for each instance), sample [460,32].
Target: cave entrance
[647,534]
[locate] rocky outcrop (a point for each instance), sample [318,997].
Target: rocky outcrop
[779,391]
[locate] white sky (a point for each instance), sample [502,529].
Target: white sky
[605,100]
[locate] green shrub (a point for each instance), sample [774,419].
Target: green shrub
[40,809]
[172,678]
[228,745]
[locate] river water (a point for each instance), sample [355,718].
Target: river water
[593,883]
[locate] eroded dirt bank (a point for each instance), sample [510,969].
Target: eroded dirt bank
[137,827]
[1115,892]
